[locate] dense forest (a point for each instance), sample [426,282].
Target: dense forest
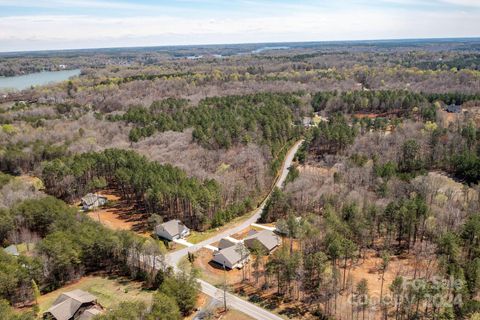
[379,214]
[220,122]
[382,192]
[71,245]
[161,189]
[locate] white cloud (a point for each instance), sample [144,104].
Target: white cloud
[80,31]
[467,3]
[90,4]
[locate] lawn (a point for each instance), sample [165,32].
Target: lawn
[196,237]
[109,291]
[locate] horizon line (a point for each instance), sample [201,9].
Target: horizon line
[238,44]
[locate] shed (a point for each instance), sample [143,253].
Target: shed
[453,109]
[92,201]
[12,250]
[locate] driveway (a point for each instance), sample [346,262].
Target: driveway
[175,257]
[233,301]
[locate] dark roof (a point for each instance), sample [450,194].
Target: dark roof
[454,108]
[68,303]
[225,243]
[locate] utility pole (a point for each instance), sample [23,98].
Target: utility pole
[224,287]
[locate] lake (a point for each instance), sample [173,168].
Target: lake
[36,79]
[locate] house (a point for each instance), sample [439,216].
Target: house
[92,201]
[307,122]
[171,230]
[226,243]
[12,250]
[266,239]
[453,109]
[74,305]
[232,257]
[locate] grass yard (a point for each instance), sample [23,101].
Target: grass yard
[196,237]
[109,291]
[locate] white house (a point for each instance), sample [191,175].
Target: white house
[92,201]
[171,230]
[232,257]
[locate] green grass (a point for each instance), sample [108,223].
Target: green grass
[22,248]
[196,237]
[109,291]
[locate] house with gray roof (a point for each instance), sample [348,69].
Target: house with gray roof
[266,239]
[73,305]
[171,230]
[453,108]
[12,250]
[225,243]
[92,201]
[232,257]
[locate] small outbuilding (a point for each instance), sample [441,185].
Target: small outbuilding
[266,239]
[12,250]
[232,257]
[453,108]
[172,230]
[92,201]
[74,305]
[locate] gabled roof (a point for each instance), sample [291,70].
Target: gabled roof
[68,303]
[266,237]
[12,249]
[90,313]
[91,198]
[233,254]
[173,227]
[225,243]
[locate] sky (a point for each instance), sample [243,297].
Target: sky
[74,24]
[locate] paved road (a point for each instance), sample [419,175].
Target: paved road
[237,303]
[175,257]
[233,301]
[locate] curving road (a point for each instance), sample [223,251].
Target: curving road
[174,258]
[233,301]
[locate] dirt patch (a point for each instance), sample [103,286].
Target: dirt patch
[243,234]
[231,315]
[121,215]
[296,306]
[316,170]
[213,272]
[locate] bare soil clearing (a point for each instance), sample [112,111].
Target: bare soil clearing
[213,272]
[368,268]
[120,215]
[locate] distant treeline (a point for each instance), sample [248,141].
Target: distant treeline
[382,101]
[220,122]
[467,61]
[148,77]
